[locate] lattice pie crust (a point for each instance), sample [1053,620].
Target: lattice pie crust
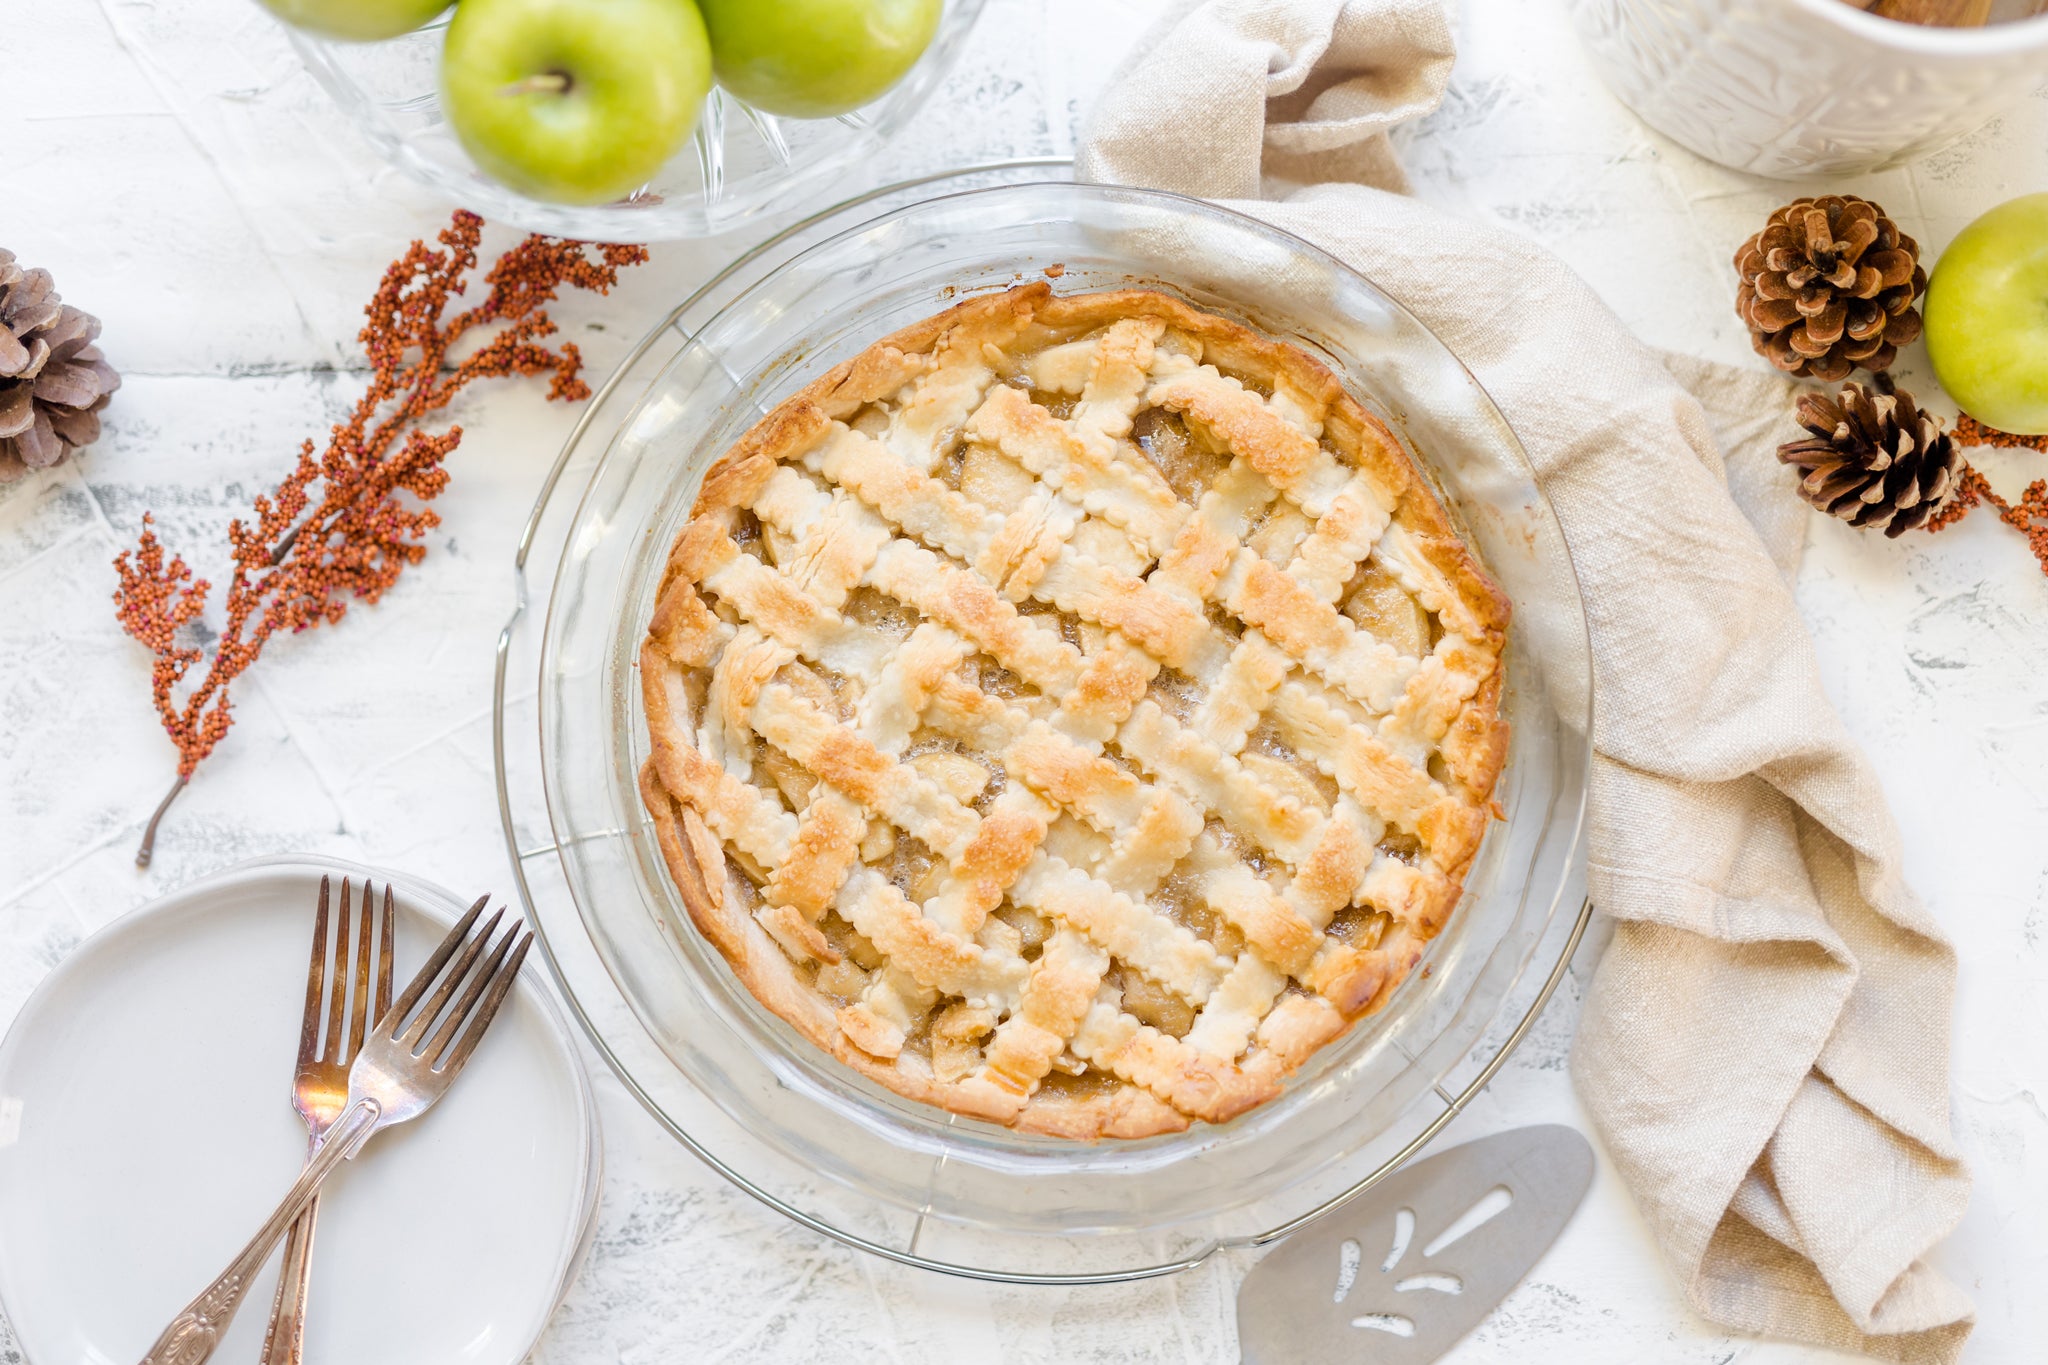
[1072,712]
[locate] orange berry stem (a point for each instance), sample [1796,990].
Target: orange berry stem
[302,557]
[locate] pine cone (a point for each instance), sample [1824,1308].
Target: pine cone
[1875,458]
[53,380]
[1828,285]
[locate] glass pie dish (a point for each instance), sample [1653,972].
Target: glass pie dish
[742,1088]
[738,164]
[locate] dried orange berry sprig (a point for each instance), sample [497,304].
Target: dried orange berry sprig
[346,524]
[1971,432]
[2028,516]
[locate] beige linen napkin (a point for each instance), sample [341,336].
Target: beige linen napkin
[1764,1048]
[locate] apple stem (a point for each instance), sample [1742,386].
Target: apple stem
[546,83]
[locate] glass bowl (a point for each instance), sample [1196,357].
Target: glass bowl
[738,164]
[739,1085]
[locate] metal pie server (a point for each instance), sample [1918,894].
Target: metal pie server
[1397,1277]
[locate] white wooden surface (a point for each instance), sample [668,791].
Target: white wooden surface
[187,182]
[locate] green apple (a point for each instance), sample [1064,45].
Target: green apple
[1987,317]
[816,58]
[576,101]
[361,21]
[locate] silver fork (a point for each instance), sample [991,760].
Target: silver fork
[405,1065]
[320,1085]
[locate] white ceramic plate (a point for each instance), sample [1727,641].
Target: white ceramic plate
[146,1129]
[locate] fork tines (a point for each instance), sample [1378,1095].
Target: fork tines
[340,1047]
[471,964]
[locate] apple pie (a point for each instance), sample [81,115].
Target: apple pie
[1072,711]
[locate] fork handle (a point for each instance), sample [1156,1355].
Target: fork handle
[284,1342]
[194,1333]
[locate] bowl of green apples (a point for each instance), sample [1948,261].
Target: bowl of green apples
[627,120]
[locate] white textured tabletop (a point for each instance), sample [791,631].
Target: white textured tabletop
[184,179]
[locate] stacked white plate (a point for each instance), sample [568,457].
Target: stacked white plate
[146,1130]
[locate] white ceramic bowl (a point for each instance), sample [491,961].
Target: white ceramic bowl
[1791,88]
